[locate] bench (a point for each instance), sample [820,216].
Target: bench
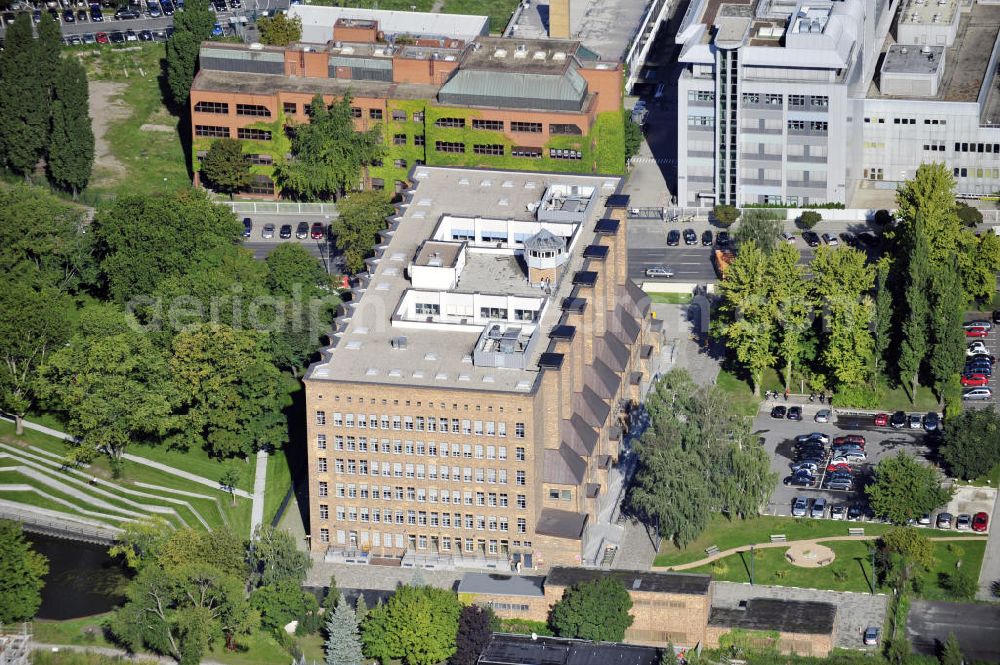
[856,531]
[712,550]
[778,538]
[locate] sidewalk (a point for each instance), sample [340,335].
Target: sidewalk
[259,483]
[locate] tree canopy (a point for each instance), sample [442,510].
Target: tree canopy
[71,147]
[595,610]
[225,168]
[280,29]
[361,216]
[905,489]
[22,575]
[970,444]
[343,641]
[191,27]
[417,625]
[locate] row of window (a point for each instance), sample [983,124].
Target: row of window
[428,495]
[222,108]
[978,147]
[423,518]
[905,121]
[515,126]
[455,474]
[247,133]
[429,423]
[777,100]
[812,125]
[420,542]
[965,172]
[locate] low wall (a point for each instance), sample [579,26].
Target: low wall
[675,287]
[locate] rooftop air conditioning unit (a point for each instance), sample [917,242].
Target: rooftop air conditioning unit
[256,46]
[538,55]
[904,50]
[926,50]
[500,53]
[522,48]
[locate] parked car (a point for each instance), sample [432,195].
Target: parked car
[978,323]
[996,316]
[881,420]
[153,9]
[673,238]
[131,36]
[809,467]
[898,420]
[963,522]
[823,416]
[318,231]
[217,30]
[871,636]
[788,237]
[145,36]
[778,412]
[794,413]
[126,14]
[96,15]
[168,7]
[706,239]
[980,522]
[68,16]
[931,421]
[74,40]
[974,380]
[89,38]
[722,239]
[285,232]
[977,332]
[799,505]
[992,360]
[977,394]
[944,520]
[839,484]
[813,436]
[868,239]
[247,227]
[978,368]
[915,421]
[102,38]
[832,468]
[924,520]
[849,239]
[976,348]
[811,238]
[854,512]
[659,271]
[302,230]
[690,237]
[818,508]
[830,239]
[799,480]
[850,439]
[82,16]
[268,231]
[117,37]
[838,512]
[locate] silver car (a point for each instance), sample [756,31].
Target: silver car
[977,394]
[267,231]
[659,271]
[823,416]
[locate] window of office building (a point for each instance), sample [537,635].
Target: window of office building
[796,124]
[356,111]
[565,129]
[418,139]
[819,100]
[290,107]
[526,127]
[260,160]
[399,116]
[531,153]
[221,108]
[399,139]
[449,146]
[255,110]
[491,125]
[252,134]
[701,96]
[375,114]
[559,153]
[796,100]
[488,149]
[211,131]
[260,184]
[450,122]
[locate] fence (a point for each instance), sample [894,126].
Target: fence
[281,208]
[62,529]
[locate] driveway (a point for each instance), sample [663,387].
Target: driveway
[977,628]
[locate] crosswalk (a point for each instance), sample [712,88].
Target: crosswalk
[665,161]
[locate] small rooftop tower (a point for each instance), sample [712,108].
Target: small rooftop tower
[544,253]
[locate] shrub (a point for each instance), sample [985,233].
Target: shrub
[858,397]
[725,215]
[809,219]
[883,218]
[970,216]
[525,627]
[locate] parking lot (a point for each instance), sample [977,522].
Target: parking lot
[992,343]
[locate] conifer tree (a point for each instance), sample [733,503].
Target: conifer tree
[71,148]
[915,343]
[24,109]
[343,643]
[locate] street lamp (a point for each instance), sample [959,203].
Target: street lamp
[873,571]
[751,564]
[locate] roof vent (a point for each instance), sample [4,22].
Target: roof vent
[347,50]
[398,342]
[636,583]
[500,53]
[904,50]
[522,48]
[926,50]
[538,55]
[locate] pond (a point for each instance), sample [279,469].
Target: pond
[82,580]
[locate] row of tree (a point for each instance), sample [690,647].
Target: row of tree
[696,457]
[44,106]
[849,325]
[153,324]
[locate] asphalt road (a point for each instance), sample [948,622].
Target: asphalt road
[977,628]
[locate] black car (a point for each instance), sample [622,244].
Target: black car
[811,238]
[68,16]
[931,422]
[794,413]
[286,231]
[868,239]
[898,420]
[982,356]
[219,5]
[54,13]
[96,15]
[247,227]
[170,31]
[996,316]
[302,230]
[706,239]
[82,15]
[168,7]
[978,368]
[722,239]
[690,237]
[674,238]
[854,512]
[117,37]
[810,451]
[153,9]
[778,412]
[36,16]
[798,480]
[849,239]
[145,36]
[127,14]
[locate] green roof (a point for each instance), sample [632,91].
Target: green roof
[565,91]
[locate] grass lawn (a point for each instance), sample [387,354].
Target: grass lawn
[146,142]
[396,5]
[897,399]
[198,462]
[84,631]
[279,481]
[499,11]
[670,298]
[741,395]
[849,572]
[992,479]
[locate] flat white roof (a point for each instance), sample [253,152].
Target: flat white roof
[317,22]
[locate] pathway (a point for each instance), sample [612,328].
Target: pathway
[201,480]
[259,482]
[110,651]
[810,541]
[990,572]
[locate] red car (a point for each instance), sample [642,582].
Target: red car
[850,439]
[882,420]
[840,466]
[975,380]
[102,38]
[318,231]
[980,522]
[976,332]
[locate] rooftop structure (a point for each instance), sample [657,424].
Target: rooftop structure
[318,22]
[654,582]
[772,614]
[532,650]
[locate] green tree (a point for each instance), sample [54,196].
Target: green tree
[969,215]
[71,147]
[760,227]
[947,308]
[328,153]
[22,575]
[281,603]
[24,99]
[633,136]
[228,481]
[809,219]
[417,625]
[219,548]
[961,584]
[669,655]
[293,271]
[140,541]
[473,634]
[979,265]
[274,557]
[191,28]
[594,610]
[926,209]
[841,282]
[906,551]
[49,49]
[882,324]
[670,493]
[113,391]
[225,168]
[34,322]
[343,639]
[951,653]
[361,216]
[58,253]
[904,488]
[971,443]
[746,315]
[230,397]
[725,215]
[143,240]
[793,305]
[333,595]
[915,343]
[280,29]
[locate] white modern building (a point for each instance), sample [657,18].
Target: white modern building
[806,102]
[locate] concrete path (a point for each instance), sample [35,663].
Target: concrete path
[110,651]
[990,572]
[201,480]
[760,546]
[259,483]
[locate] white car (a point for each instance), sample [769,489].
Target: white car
[823,416]
[976,348]
[659,271]
[788,237]
[851,457]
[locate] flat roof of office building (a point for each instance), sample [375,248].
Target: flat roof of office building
[527,650]
[634,580]
[210,80]
[496,584]
[786,616]
[318,22]
[912,59]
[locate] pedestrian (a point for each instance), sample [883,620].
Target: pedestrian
[786,394]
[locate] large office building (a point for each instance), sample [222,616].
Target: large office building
[440,92]
[805,102]
[473,403]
